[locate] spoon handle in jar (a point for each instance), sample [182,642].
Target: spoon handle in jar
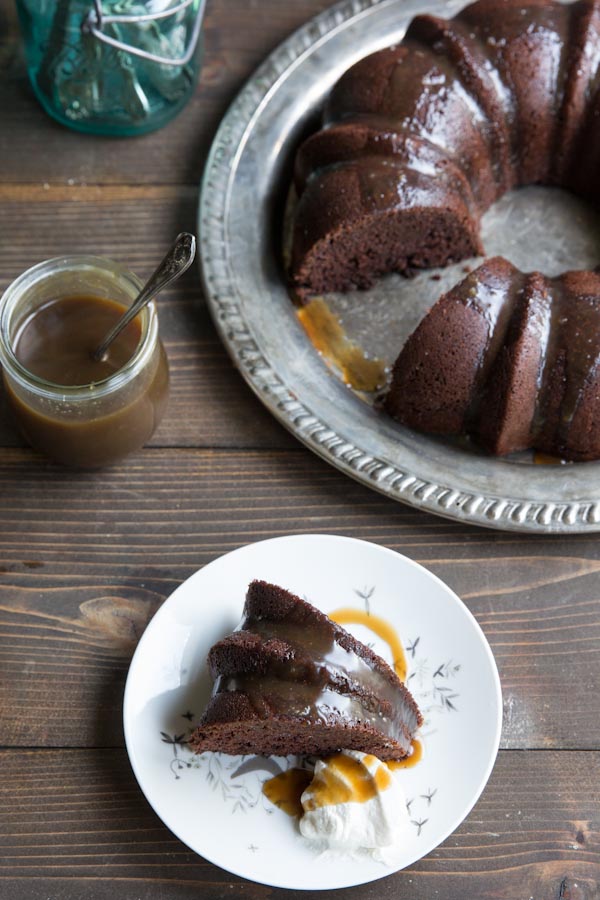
[179,258]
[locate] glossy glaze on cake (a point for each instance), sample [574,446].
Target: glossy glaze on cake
[511,359]
[419,139]
[291,681]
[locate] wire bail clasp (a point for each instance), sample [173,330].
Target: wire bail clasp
[97,19]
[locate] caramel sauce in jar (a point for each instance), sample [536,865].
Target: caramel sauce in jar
[76,410]
[56,342]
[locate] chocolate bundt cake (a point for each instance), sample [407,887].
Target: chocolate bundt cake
[511,359]
[419,139]
[292,681]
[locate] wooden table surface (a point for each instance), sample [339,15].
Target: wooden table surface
[86,558]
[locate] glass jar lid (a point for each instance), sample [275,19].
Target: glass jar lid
[98,19]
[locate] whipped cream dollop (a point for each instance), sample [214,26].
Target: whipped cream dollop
[355,805]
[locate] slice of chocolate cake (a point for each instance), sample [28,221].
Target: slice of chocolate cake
[292,681]
[510,359]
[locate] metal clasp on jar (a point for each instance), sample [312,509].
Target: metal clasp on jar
[97,19]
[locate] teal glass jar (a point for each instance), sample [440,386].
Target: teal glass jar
[115,67]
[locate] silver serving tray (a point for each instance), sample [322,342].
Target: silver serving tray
[240,227]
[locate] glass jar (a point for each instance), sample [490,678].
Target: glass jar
[94,424]
[117,67]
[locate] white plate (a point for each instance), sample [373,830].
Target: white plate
[224,817]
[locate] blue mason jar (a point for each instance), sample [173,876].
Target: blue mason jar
[117,67]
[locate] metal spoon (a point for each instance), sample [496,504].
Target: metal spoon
[178,259]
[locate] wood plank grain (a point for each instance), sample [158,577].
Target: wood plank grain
[209,403]
[88,557]
[75,825]
[130,223]
[237,36]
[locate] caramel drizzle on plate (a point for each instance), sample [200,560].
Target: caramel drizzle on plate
[286,789]
[409,761]
[381,628]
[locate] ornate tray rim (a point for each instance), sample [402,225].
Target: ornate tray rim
[556,515]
